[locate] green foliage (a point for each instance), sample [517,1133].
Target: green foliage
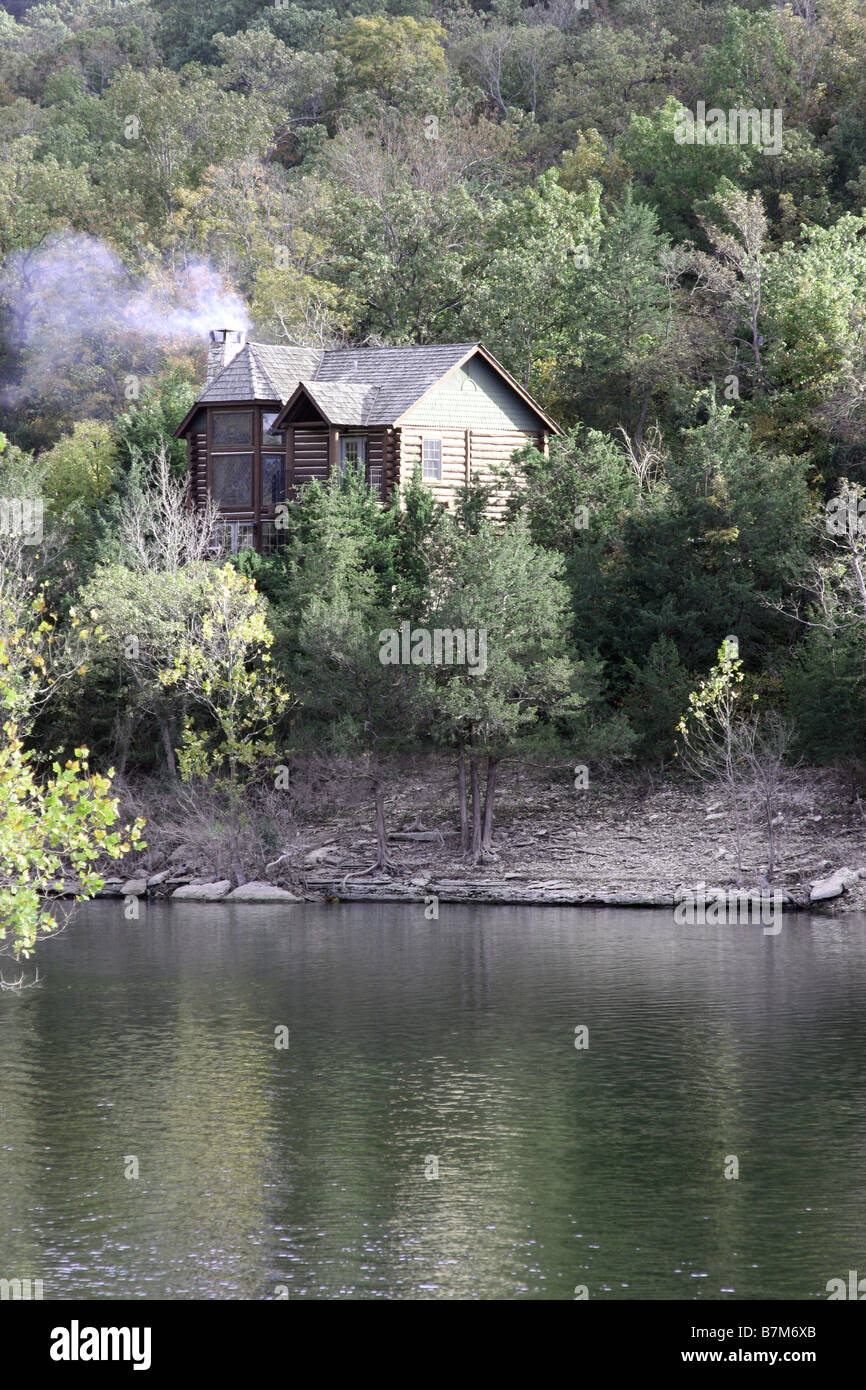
[671,177]
[814,323]
[353,702]
[55,824]
[223,664]
[361,703]
[144,617]
[187,28]
[39,196]
[330,534]
[385,170]
[708,727]
[536,241]
[657,700]
[52,828]
[721,536]
[825,685]
[624,323]
[81,468]
[580,491]
[499,584]
[402,245]
[471,503]
[417,523]
[398,59]
[149,423]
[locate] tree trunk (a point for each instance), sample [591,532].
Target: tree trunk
[738,844]
[858,576]
[489,795]
[171,765]
[122,741]
[381,835]
[461,792]
[771,842]
[475,848]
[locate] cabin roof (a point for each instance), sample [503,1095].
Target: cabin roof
[349,386]
[340,402]
[261,372]
[402,374]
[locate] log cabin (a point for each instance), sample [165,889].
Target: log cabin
[272,418]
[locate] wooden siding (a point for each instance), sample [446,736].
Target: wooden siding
[465,454]
[196,445]
[376,445]
[310,454]
[391,450]
[453,460]
[196,459]
[474,397]
[315,451]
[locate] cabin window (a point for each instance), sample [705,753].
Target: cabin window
[232,429]
[431,460]
[231,465]
[376,480]
[273,537]
[273,479]
[230,537]
[353,453]
[271,439]
[232,480]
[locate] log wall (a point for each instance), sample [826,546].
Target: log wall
[465,454]
[196,446]
[309,453]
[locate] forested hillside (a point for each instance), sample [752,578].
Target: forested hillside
[578,185]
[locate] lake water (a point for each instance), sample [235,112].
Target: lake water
[309,1171]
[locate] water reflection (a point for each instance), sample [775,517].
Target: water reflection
[416,1045]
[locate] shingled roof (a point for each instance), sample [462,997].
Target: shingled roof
[261,372]
[342,402]
[350,386]
[402,374]
[384,381]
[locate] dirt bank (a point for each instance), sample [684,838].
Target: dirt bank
[624,839]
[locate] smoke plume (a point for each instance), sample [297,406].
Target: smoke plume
[71,301]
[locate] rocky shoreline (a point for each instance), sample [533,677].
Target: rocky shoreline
[481,892]
[623,843]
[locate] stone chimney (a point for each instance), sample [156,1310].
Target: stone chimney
[224,344]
